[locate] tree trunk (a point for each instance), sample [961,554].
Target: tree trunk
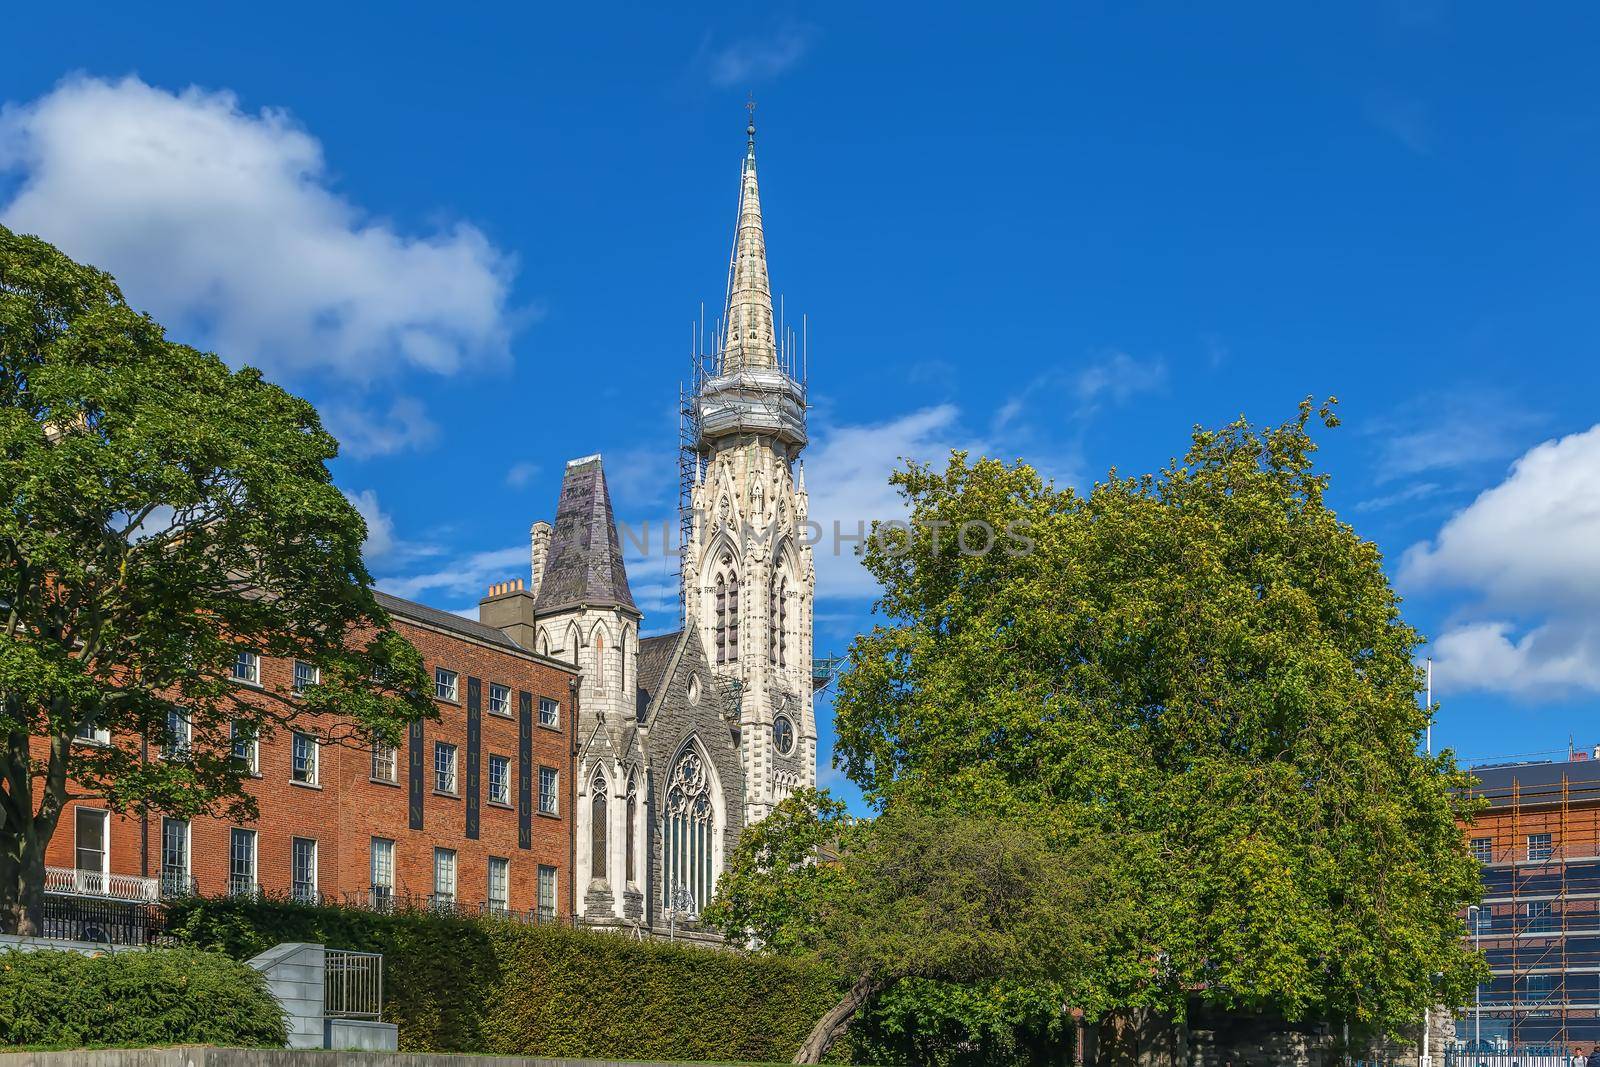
[22,886]
[836,1018]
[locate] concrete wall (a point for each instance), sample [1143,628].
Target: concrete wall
[46,944]
[198,1056]
[294,974]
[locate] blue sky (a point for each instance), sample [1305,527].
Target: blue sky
[477,237]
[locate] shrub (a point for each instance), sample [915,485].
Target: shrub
[155,997]
[498,986]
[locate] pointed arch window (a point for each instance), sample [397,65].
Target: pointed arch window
[778,648]
[688,832]
[633,812]
[597,827]
[726,618]
[599,661]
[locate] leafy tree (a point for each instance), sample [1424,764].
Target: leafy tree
[772,888]
[165,514]
[1206,666]
[940,897]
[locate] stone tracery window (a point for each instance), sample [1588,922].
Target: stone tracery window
[726,617]
[778,617]
[688,831]
[597,827]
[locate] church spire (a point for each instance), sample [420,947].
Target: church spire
[749,340]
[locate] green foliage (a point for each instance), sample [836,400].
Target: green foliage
[135,999]
[946,1024]
[163,512]
[471,985]
[1206,667]
[773,885]
[961,936]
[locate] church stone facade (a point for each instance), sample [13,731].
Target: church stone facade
[687,737]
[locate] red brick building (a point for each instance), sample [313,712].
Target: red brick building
[472,811]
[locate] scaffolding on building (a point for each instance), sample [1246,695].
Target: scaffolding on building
[1538,924]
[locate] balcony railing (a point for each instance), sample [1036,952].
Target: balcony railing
[70,881]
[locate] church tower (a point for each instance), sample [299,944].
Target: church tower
[748,577]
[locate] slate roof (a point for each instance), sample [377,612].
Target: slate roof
[1538,783]
[585,562]
[655,656]
[444,620]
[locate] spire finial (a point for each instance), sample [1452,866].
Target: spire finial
[750,106]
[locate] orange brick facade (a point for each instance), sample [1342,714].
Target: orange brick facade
[349,807]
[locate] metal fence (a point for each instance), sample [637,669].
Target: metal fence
[101,922]
[352,984]
[1489,1055]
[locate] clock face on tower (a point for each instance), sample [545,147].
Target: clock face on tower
[783,735]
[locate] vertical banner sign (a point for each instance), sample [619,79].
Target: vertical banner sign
[415,766]
[524,770]
[474,752]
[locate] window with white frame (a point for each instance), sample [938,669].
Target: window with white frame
[547,892]
[444,875]
[499,699]
[548,779]
[306,675]
[500,779]
[1539,918]
[304,756]
[445,684]
[1483,849]
[179,734]
[93,845]
[174,857]
[303,870]
[95,735]
[246,748]
[242,863]
[1484,921]
[247,667]
[549,712]
[1539,847]
[444,767]
[385,765]
[382,870]
[499,884]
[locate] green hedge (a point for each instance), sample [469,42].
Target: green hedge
[475,985]
[158,997]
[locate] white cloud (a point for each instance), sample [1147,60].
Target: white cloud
[363,433]
[1425,436]
[847,478]
[380,528]
[1117,377]
[225,226]
[758,58]
[521,474]
[1529,551]
[469,575]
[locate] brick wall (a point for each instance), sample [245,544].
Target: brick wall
[347,807]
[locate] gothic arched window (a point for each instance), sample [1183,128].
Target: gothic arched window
[688,830]
[597,827]
[725,618]
[777,649]
[633,811]
[599,661]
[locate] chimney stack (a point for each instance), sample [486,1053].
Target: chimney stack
[539,552]
[509,609]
